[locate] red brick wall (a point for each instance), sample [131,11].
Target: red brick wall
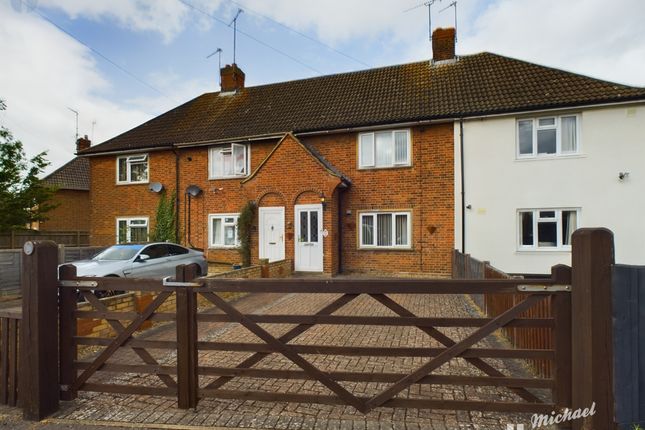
[292,177]
[425,188]
[109,200]
[72,214]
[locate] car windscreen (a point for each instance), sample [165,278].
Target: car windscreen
[118,252]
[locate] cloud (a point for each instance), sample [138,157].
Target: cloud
[46,72]
[166,17]
[592,37]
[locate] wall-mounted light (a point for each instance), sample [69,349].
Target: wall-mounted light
[323,202]
[623,175]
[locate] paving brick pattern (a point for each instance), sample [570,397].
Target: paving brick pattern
[150,410]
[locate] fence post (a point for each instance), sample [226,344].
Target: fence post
[67,328]
[61,253]
[187,359]
[39,333]
[592,352]
[561,334]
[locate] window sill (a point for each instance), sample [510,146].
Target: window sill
[133,183]
[550,157]
[223,178]
[231,247]
[398,166]
[385,248]
[542,250]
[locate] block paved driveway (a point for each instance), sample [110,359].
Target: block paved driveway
[158,412]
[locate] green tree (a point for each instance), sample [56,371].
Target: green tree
[165,230]
[24,198]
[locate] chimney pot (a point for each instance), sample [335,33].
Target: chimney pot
[83,143]
[443,44]
[232,78]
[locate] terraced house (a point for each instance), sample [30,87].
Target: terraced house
[357,171]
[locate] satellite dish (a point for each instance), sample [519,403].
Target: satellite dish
[155,187]
[193,190]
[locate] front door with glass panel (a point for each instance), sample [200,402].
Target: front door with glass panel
[272,233]
[309,238]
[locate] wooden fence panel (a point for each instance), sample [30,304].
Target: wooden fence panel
[629,343]
[9,335]
[10,260]
[16,239]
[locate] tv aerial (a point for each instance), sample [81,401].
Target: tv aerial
[234,24]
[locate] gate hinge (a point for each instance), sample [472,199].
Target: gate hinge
[168,283]
[546,288]
[78,283]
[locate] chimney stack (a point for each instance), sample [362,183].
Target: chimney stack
[443,44]
[232,78]
[82,143]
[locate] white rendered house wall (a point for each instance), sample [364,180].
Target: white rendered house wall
[498,184]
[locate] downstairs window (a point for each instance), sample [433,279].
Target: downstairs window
[547,228]
[385,230]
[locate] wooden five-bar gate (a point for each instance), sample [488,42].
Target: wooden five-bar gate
[569,387]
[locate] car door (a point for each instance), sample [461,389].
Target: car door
[155,267]
[177,255]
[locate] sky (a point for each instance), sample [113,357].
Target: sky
[119,63]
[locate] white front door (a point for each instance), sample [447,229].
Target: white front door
[309,238]
[272,233]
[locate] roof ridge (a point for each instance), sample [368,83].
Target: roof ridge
[314,78]
[556,69]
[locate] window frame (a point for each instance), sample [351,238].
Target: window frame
[558,136]
[128,233]
[211,243]
[394,164]
[536,220]
[394,213]
[128,165]
[223,147]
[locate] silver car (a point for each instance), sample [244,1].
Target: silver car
[151,260]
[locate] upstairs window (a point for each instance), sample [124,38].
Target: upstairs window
[223,231]
[384,149]
[385,230]
[548,136]
[547,228]
[132,169]
[229,161]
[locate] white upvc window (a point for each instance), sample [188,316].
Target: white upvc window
[132,230]
[132,169]
[547,229]
[385,229]
[222,231]
[384,149]
[229,161]
[548,136]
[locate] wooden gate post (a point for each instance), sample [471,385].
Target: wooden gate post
[68,351]
[39,330]
[592,373]
[187,360]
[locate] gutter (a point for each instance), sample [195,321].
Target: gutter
[231,140]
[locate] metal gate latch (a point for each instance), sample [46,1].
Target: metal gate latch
[167,282]
[539,288]
[78,283]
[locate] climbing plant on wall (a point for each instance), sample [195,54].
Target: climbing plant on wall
[165,230]
[244,226]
